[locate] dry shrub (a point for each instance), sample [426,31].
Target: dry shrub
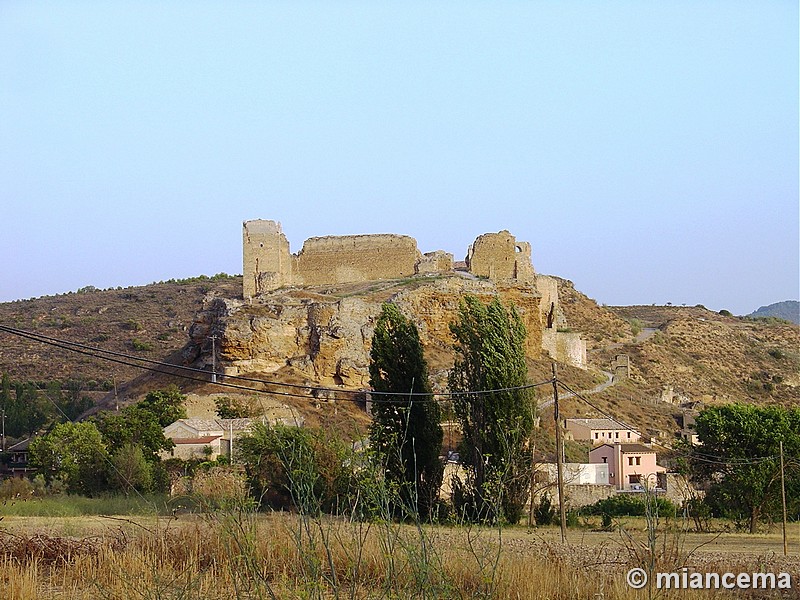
[16,488]
[218,487]
[245,555]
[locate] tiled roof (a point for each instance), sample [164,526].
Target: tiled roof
[602,424]
[200,440]
[201,424]
[636,448]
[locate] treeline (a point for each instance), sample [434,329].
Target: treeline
[30,406]
[120,451]
[115,451]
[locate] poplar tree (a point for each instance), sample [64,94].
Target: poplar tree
[406,432]
[496,425]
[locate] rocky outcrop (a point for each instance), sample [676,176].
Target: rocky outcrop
[326,339]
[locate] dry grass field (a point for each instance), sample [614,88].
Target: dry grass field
[243,555]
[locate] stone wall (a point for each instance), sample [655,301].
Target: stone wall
[678,491]
[267,262]
[565,347]
[500,257]
[354,258]
[435,262]
[269,265]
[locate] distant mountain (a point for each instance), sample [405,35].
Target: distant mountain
[788,309]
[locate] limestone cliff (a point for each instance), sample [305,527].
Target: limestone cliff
[324,334]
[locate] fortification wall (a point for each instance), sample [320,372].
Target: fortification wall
[435,262]
[565,347]
[354,258]
[331,260]
[500,257]
[267,262]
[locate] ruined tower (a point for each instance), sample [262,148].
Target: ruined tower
[500,257]
[267,261]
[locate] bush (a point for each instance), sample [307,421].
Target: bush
[140,345]
[544,513]
[132,325]
[636,326]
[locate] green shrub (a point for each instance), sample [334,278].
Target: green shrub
[131,325]
[140,345]
[544,513]
[777,353]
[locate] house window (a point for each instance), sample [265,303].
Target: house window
[616,434]
[629,435]
[638,460]
[605,459]
[596,435]
[630,461]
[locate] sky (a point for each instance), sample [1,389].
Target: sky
[648,151]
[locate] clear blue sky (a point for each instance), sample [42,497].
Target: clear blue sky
[647,150]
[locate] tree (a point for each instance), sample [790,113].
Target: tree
[167,405]
[295,467]
[234,408]
[142,424]
[739,459]
[73,452]
[496,425]
[131,469]
[406,431]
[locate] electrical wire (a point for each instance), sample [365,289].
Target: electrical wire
[698,456]
[131,361]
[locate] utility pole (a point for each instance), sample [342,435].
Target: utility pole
[559,465]
[533,484]
[783,497]
[4,430]
[213,359]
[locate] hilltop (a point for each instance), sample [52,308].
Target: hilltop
[789,310]
[677,354]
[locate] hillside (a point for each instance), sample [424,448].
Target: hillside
[680,353]
[789,310]
[149,322]
[715,358]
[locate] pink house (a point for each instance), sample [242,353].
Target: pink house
[631,467]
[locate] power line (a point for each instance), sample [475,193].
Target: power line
[131,361]
[699,456]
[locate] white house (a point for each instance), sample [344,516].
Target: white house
[578,473]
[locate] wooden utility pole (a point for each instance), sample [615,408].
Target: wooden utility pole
[533,484]
[214,358]
[783,497]
[559,451]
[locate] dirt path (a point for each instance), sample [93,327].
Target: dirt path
[598,388]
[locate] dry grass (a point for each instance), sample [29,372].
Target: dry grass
[241,555]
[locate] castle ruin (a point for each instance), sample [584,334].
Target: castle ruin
[331,260]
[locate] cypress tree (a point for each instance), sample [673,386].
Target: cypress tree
[490,355]
[406,432]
